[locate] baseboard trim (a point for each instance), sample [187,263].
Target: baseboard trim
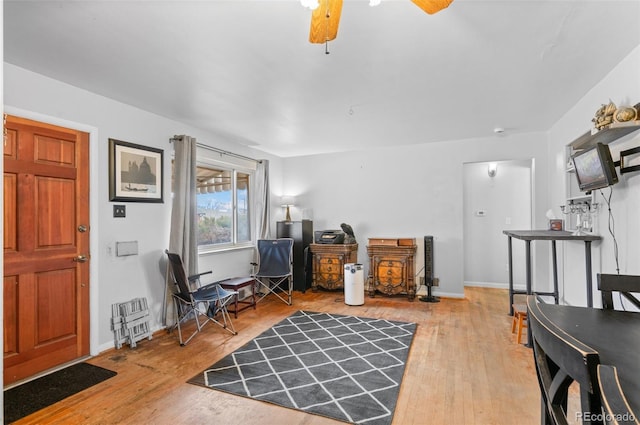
[422,291]
[496,285]
[449,295]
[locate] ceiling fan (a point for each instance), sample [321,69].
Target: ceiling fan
[326,16]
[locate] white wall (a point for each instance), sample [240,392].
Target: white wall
[410,191]
[119,279]
[491,205]
[405,191]
[622,86]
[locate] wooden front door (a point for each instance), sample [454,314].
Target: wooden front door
[46,247]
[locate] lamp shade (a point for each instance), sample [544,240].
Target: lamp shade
[324,21]
[287,201]
[432,6]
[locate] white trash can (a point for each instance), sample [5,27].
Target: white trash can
[353,284]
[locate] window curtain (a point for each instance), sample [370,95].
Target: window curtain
[262,201]
[183,236]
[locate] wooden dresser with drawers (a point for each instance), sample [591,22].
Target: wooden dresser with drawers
[392,266]
[328,262]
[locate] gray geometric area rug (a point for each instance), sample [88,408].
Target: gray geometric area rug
[344,367]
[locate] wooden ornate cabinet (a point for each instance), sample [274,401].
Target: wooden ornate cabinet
[328,264]
[392,267]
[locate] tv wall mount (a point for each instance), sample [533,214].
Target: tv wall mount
[624,154]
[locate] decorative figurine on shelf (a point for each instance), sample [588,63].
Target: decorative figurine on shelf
[604,115]
[625,113]
[350,237]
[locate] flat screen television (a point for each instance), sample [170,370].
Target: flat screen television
[594,168]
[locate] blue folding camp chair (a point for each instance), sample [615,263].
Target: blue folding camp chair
[207,301]
[274,273]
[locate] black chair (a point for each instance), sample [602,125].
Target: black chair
[624,284]
[615,408]
[561,360]
[274,273]
[207,301]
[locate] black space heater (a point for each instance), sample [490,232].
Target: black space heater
[429,276]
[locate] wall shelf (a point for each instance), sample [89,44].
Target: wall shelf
[588,140]
[607,135]
[579,199]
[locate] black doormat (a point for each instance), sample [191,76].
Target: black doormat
[34,395]
[344,367]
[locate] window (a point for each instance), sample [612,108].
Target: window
[223,203]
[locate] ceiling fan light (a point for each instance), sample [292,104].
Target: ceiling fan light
[432,6]
[310,4]
[324,21]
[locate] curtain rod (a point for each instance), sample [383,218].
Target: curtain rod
[223,152]
[220,151]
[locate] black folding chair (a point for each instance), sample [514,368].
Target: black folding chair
[206,301]
[561,360]
[615,406]
[274,273]
[623,284]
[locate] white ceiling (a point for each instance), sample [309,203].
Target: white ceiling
[245,71]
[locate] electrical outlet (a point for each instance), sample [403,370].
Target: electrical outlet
[421,280]
[436,281]
[119,210]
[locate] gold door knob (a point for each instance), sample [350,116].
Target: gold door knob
[80,259]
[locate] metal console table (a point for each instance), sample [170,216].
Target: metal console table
[553,236]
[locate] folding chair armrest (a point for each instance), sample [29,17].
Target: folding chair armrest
[197,276]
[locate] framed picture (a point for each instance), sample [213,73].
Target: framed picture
[135,173]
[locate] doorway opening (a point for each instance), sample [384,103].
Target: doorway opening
[498,196]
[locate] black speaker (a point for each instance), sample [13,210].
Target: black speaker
[429,275]
[302,234]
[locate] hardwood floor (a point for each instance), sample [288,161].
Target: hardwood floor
[464,367]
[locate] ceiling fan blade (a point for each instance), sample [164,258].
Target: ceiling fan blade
[324,21]
[432,6]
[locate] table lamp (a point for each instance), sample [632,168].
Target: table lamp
[288,202]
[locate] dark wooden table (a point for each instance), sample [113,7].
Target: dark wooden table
[552,236]
[235,284]
[615,335]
